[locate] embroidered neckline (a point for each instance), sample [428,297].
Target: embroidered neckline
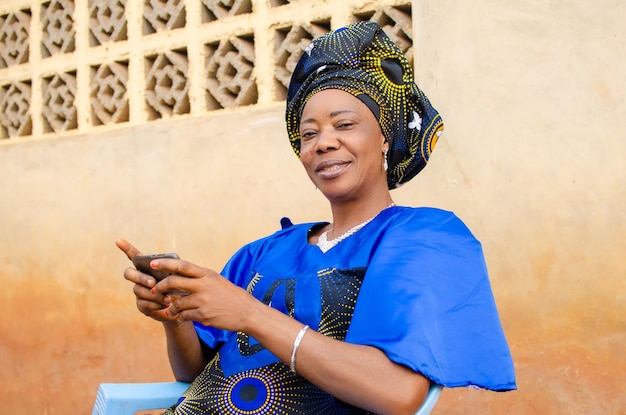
[325,245]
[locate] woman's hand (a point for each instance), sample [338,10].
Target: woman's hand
[149,303]
[212,299]
[186,354]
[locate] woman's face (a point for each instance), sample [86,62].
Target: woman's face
[342,146]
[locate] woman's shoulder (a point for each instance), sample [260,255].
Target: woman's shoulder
[287,230]
[424,212]
[287,235]
[426,221]
[424,215]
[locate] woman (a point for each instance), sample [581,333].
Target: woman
[354,316]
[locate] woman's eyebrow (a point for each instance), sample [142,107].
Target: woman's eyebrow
[339,112]
[332,114]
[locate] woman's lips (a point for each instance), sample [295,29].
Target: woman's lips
[331,169]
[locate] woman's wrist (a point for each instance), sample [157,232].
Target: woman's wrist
[296,346]
[175,325]
[251,312]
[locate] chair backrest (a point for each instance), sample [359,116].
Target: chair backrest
[431,399]
[128,398]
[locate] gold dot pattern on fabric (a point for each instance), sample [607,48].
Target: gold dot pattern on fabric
[340,289]
[270,390]
[274,388]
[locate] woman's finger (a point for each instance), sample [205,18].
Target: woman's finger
[161,315]
[145,293]
[138,277]
[180,267]
[182,312]
[148,307]
[127,248]
[179,304]
[176,285]
[187,315]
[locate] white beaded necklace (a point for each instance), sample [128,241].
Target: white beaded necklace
[325,245]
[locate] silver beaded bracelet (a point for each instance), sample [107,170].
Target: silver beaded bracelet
[296,345]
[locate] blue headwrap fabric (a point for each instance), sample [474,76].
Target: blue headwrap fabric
[362,60]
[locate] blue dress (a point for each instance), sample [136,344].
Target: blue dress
[412,282]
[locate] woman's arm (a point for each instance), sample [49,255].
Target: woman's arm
[359,375]
[186,354]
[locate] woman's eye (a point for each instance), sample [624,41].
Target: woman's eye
[307,135]
[344,125]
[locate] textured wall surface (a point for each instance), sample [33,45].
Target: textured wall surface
[167,129]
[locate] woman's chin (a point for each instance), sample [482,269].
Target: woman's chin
[335,192]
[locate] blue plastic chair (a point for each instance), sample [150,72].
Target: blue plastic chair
[129,398]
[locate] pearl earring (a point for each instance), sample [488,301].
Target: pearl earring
[385,163]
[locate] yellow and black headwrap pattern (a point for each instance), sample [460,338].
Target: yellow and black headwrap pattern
[362,60]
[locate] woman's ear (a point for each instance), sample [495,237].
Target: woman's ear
[385,150]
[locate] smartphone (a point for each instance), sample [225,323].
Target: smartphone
[142,263]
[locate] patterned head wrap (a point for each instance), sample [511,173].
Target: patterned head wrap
[361,60]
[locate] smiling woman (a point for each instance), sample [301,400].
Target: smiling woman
[356,316]
[343,148]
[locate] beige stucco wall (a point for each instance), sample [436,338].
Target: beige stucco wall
[533,156]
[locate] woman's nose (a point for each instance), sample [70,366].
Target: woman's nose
[328,140]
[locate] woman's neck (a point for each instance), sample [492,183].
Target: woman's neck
[348,214]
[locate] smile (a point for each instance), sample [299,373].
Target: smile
[331,169]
